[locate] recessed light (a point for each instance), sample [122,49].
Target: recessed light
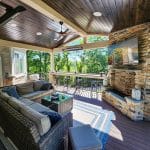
[38,33]
[13,25]
[97,14]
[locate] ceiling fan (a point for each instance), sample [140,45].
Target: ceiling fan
[61,30]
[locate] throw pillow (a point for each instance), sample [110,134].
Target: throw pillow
[11,91]
[38,84]
[54,116]
[25,88]
[46,86]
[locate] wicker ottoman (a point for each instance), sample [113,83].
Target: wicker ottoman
[83,137]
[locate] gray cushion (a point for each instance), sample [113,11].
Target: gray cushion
[4,96]
[37,94]
[83,137]
[15,103]
[42,121]
[39,107]
[33,95]
[38,84]
[26,101]
[25,88]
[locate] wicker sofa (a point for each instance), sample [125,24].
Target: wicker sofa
[32,90]
[23,131]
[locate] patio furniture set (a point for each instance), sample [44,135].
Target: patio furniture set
[34,117]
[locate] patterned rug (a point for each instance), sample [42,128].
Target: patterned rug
[98,118]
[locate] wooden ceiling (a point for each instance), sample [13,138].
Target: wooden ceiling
[28,23]
[116,14]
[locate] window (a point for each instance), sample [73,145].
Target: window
[38,63]
[19,62]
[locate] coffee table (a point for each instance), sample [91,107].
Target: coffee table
[62,105]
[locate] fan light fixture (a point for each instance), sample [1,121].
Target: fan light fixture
[97,14]
[38,33]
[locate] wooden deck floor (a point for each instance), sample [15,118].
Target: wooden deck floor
[125,134]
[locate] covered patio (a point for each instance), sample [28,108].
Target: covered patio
[96,51]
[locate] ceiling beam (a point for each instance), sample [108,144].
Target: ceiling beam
[98,34]
[48,11]
[6,43]
[84,46]
[90,22]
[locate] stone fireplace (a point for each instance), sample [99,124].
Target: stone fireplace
[123,79]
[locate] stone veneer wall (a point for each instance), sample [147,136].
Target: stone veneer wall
[142,77]
[5,54]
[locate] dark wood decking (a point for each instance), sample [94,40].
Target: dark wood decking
[125,134]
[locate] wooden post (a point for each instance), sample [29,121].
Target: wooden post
[52,78]
[84,40]
[52,61]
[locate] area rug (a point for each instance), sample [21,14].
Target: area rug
[99,119]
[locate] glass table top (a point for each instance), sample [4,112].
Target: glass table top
[61,98]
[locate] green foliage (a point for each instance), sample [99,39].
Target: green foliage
[93,39]
[38,62]
[62,62]
[76,42]
[87,61]
[83,61]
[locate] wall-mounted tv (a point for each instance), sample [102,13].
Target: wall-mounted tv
[124,53]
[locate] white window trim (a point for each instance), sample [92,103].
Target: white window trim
[18,51]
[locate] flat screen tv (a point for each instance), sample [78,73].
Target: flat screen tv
[124,53]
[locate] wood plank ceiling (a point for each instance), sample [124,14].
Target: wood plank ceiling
[116,14]
[28,23]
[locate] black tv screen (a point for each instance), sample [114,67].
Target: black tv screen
[124,53]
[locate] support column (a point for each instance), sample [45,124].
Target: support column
[52,61]
[52,78]
[84,40]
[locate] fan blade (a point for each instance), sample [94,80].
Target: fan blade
[53,30]
[62,33]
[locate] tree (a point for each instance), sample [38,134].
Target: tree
[83,61]
[38,62]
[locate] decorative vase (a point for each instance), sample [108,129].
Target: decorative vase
[136,94]
[105,81]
